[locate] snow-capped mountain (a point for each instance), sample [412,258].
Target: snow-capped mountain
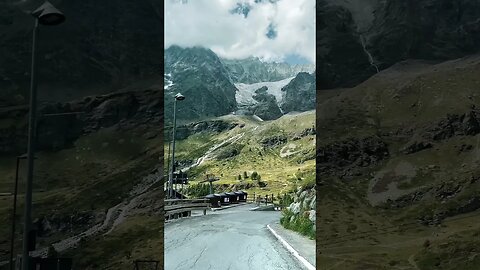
[200,76]
[253,70]
[215,87]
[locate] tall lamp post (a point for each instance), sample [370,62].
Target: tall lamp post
[46,14]
[178,97]
[12,239]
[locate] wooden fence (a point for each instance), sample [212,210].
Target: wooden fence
[176,208]
[277,201]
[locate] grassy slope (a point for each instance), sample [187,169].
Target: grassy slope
[97,173]
[278,172]
[353,234]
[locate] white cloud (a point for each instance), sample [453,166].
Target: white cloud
[209,23]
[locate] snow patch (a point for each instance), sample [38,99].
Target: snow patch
[256,117]
[245,93]
[167,81]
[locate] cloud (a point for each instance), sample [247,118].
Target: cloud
[270,30]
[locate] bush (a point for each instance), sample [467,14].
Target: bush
[300,223]
[286,200]
[198,190]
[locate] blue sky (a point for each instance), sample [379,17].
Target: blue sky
[273,30]
[296,59]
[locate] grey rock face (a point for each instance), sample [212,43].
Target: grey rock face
[125,110]
[274,141]
[299,94]
[101,47]
[425,29]
[267,107]
[201,77]
[295,208]
[356,37]
[350,153]
[203,126]
[341,59]
[252,70]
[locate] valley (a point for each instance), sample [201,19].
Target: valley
[281,151]
[399,190]
[99,174]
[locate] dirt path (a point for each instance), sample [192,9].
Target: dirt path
[411,260]
[115,216]
[210,153]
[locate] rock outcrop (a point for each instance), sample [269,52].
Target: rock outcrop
[300,94]
[113,47]
[355,39]
[253,70]
[201,77]
[267,107]
[59,125]
[354,152]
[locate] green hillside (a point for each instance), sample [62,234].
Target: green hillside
[281,151]
[74,188]
[398,169]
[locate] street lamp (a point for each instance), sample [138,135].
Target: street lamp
[178,97]
[14,211]
[12,240]
[46,14]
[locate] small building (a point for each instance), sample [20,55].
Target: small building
[225,199]
[233,197]
[242,196]
[214,200]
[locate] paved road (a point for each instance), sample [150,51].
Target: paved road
[231,239]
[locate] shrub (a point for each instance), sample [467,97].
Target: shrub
[300,223]
[198,190]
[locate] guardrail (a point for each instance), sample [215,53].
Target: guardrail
[176,208]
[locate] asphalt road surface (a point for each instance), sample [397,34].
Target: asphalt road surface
[231,239]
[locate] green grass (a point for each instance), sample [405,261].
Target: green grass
[95,174]
[389,104]
[139,238]
[250,154]
[300,223]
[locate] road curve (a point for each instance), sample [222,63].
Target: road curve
[231,239]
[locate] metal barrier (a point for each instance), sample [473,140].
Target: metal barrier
[176,208]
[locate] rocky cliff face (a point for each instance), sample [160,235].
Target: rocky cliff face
[101,47]
[267,106]
[355,39]
[426,29]
[341,60]
[299,94]
[198,74]
[300,215]
[126,110]
[253,70]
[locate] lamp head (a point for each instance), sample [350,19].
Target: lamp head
[179,96]
[47,14]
